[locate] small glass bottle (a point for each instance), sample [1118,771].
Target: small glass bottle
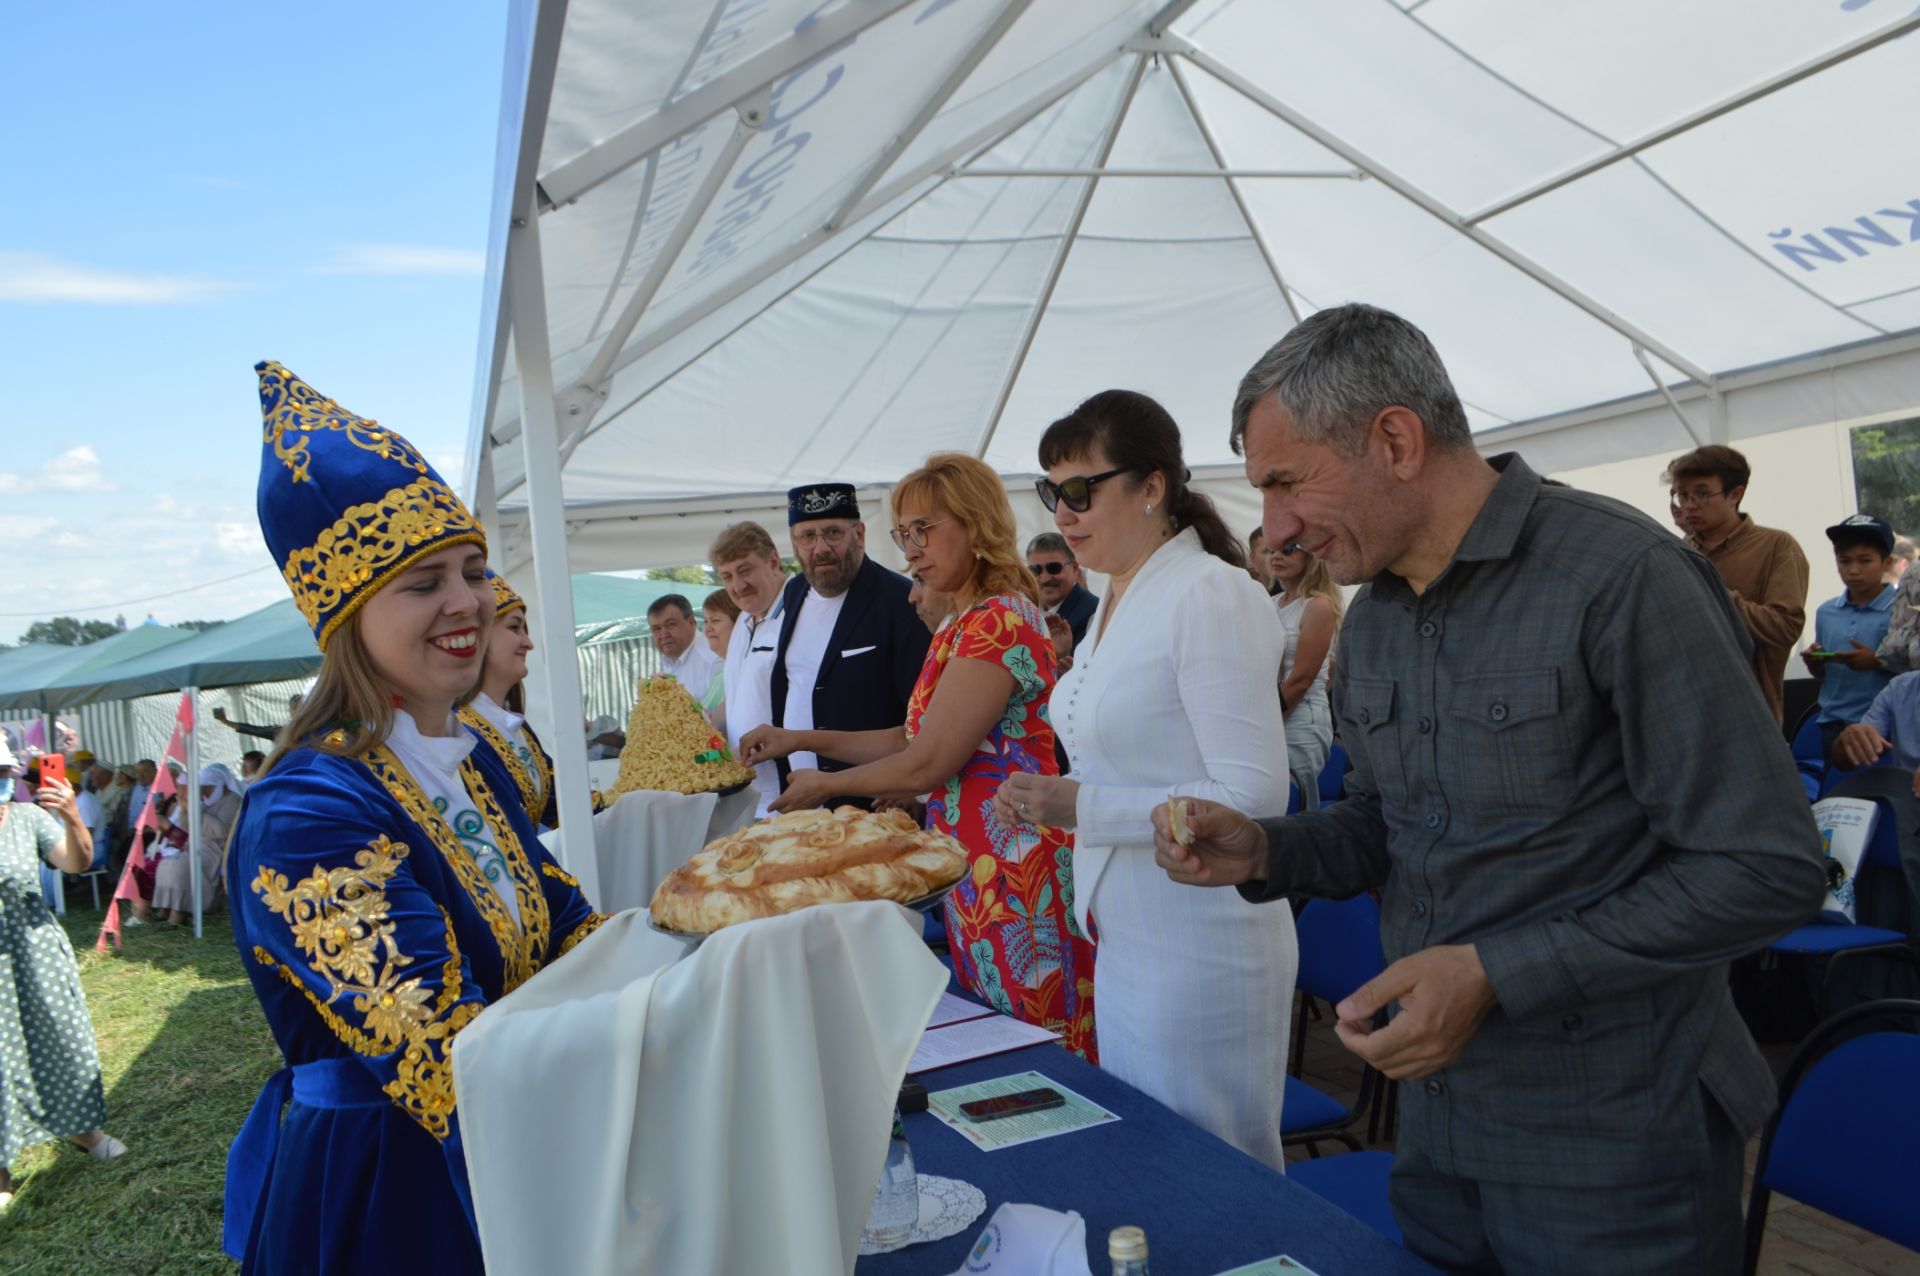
[896,1200]
[1127,1247]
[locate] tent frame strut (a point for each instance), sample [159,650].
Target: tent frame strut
[1433,206]
[1060,255]
[936,101]
[1706,114]
[582,403]
[568,181]
[1233,188]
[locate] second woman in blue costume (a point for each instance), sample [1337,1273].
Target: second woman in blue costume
[386,881]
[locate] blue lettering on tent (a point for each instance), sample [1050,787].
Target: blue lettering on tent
[1809,250]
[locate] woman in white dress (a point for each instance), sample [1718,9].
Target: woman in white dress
[1309,607]
[1172,692]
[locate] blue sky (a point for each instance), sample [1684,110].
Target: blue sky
[191,190]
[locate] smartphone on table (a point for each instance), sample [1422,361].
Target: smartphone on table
[1006,1105]
[53,766]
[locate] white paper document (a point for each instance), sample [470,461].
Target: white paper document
[954,1009]
[974,1039]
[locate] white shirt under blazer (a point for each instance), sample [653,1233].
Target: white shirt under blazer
[1193,987]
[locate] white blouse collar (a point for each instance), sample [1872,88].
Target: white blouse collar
[442,754]
[505,719]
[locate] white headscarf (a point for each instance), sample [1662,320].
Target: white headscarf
[217,777]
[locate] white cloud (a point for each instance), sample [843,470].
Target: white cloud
[237,538]
[77,469]
[18,527]
[34,277]
[402,259]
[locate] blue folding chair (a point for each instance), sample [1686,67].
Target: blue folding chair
[1339,951]
[1827,942]
[1846,1136]
[1357,1183]
[1333,776]
[1809,759]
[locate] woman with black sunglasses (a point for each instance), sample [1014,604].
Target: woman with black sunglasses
[1175,691]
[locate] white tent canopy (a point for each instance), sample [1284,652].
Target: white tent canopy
[780,240]
[742,244]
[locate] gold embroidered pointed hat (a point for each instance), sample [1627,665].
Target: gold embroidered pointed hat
[345,504]
[504,597]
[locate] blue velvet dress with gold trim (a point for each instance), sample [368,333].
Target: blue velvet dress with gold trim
[368,928]
[371,939]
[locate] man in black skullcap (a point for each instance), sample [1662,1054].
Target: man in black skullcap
[853,645]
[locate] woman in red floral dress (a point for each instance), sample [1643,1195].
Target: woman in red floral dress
[978,713]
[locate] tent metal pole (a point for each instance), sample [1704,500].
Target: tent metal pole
[1308,174]
[190,794]
[569,181]
[1667,394]
[584,402]
[1060,255]
[1686,123]
[546,516]
[1010,13]
[936,166]
[1429,204]
[1233,188]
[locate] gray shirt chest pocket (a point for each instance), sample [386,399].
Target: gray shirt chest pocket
[1511,749]
[1370,709]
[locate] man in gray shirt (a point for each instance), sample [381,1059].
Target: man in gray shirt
[1573,800]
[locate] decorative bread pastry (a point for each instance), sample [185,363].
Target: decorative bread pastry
[671,746]
[1177,813]
[802,858]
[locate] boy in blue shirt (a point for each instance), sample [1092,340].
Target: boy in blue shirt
[1847,629]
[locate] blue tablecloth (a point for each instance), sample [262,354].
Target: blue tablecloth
[1206,1206]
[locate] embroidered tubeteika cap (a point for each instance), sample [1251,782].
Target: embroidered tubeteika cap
[504,598]
[822,500]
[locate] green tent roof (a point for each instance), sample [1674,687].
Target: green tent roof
[263,646]
[27,683]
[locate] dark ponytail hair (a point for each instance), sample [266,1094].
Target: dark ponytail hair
[1140,436]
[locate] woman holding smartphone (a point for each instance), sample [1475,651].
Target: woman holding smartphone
[49,1065]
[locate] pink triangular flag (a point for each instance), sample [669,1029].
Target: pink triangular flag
[35,736]
[184,717]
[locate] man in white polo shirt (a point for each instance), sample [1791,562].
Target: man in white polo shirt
[749,569]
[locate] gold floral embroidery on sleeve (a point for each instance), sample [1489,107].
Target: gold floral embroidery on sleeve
[554,870]
[341,923]
[594,922]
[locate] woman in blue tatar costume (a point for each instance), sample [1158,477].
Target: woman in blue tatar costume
[385,879]
[498,712]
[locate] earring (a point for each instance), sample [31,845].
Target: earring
[1149,509]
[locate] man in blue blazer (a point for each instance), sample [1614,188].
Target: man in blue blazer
[853,645]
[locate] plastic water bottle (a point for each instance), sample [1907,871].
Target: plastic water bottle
[896,1201]
[1127,1248]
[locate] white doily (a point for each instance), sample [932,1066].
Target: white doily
[947,1206]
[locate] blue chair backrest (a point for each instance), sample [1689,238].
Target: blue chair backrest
[1333,777]
[1339,946]
[1806,741]
[1848,1142]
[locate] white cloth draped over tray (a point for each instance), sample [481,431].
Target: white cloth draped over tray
[647,834]
[629,1109]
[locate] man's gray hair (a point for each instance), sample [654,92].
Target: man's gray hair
[1338,369]
[1051,543]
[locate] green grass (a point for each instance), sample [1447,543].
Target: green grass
[184,1048]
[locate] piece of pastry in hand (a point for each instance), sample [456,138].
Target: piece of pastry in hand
[1177,812]
[803,858]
